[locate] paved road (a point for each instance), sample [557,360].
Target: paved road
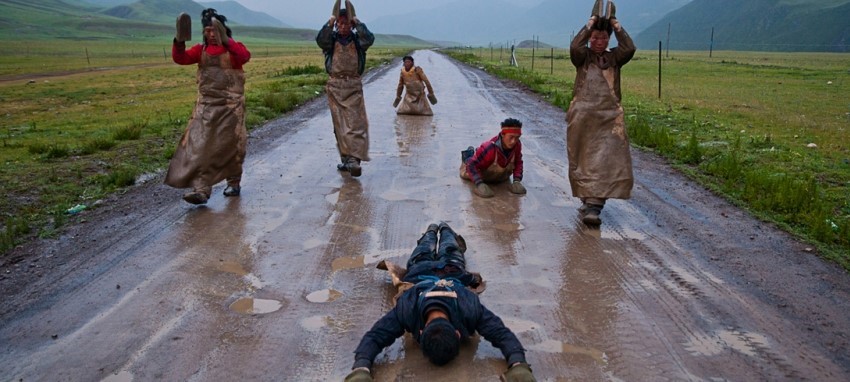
[281,283]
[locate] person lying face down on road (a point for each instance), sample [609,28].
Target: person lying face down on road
[495,160]
[439,310]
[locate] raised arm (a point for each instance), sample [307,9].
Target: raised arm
[578,47]
[364,35]
[625,46]
[325,38]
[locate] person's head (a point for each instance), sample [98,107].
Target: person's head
[207,16]
[440,341]
[511,131]
[600,34]
[343,23]
[408,62]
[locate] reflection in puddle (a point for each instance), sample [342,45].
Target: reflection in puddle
[232,267]
[124,376]
[248,305]
[342,263]
[394,196]
[509,227]
[552,346]
[332,198]
[324,295]
[314,324]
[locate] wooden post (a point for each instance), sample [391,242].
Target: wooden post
[552,61]
[711,46]
[88,60]
[659,69]
[532,53]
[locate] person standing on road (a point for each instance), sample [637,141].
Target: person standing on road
[600,164]
[495,161]
[345,61]
[439,311]
[414,81]
[213,146]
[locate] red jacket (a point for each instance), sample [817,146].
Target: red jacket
[239,54]
[489,151]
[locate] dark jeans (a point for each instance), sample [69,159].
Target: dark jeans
[449,252]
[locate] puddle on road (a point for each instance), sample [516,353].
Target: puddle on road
[509,227]
[313,243]
[342,263]
[518,325]
[324,295]
[314,323]
[248,305]
[124,376]
[232,267]
[552,346]
[394,196]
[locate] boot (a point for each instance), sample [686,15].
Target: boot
[232,190]
[354,167]
[196,197]
[589,214]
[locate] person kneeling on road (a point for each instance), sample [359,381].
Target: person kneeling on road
[439,310]
[495,160]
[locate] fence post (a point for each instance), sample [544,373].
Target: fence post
[532,53]
[552,61]
[659,69]
[711,46]
[87,56]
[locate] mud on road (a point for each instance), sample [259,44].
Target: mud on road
[280,284]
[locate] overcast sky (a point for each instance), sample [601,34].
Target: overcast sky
[311,13]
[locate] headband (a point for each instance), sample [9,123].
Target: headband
[512,130]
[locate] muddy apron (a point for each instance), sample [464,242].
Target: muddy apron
[345,99]
[213,146]
[414,101]
[493,174]
[600,163]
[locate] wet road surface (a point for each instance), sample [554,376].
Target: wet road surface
[280,284]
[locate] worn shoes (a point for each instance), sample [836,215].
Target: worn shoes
[589,214]
[232,191]
[352,165]
[195,197]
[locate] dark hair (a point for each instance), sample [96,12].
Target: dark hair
[207,16]
[439,342]
[343,12]
[511,122]
[603,25]
[405,58]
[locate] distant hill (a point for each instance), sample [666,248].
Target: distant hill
[75,20]
[481,22]
[765,25]
[241,15]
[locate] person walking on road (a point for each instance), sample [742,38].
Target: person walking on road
[345,60]
[439,311]
[495,160]
[413,82]
[600,164]
[213,146]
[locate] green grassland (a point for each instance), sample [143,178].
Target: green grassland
[82,119]
[768,131]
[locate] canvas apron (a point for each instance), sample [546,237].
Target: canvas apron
[345,99]
[414,101]
[600,164]
[213,146]
[493,174]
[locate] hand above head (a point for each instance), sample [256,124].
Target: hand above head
[184,28]
[591,22]
[519,372]
[359,375]
[616,25]
[220,32]
[517,188]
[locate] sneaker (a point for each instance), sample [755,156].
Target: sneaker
[232,191]
[466,154]
[196,197]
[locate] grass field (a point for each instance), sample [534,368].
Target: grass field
[83,119]
[768,131]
